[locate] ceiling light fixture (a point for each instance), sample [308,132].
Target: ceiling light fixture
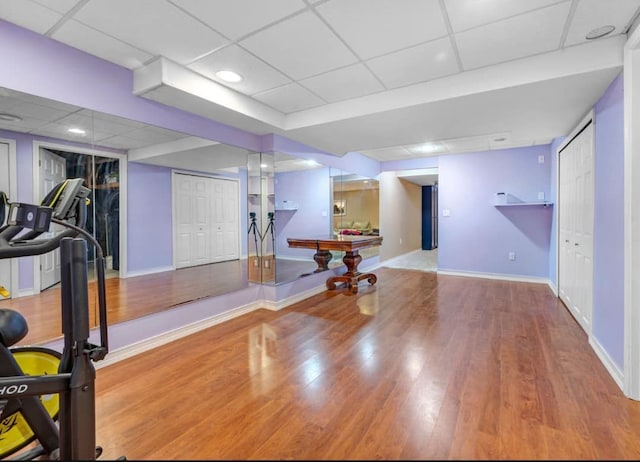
[599,32]
[10,117]
[229,76]
[76,131]
[427,148]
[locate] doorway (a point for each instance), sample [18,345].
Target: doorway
[101,173]
[575,222]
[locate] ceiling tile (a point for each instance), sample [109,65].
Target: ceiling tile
[238,18]
[37,111]
[375,27]
[591,14]
[300,47]
[346,83]
[417,64]
[257,75]
[394,153]
[157,27]
[466,14]
[77,35]
[468,144]
[513,38]
[289,98]
[29,15]
[61,6]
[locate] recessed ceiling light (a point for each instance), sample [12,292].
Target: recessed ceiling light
[10,117]
[76,131]
[427,148]
[229,76]
[599,32]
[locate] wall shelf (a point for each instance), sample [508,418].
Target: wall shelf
[521,204]
[502,199]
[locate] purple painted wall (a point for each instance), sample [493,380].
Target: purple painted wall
[608,233]
[311,189]
[477,237]
[87,81]
[149,241]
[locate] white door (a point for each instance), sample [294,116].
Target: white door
[206,220]
[53,170]
[5,263]
[576,179]
[193,234]
[224,210]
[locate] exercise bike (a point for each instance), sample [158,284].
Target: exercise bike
[39,386]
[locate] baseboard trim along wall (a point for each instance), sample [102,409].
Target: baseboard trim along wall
[166,337]
[605,359]
[504,277]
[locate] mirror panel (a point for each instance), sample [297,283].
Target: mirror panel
[147,154]
[356,208]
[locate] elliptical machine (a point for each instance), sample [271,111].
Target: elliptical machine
[25,399]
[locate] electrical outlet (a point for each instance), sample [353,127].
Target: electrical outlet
[446,212]
[512,256]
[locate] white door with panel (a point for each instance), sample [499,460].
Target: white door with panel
[53,170]
[5,264]
[206,222]
[575,224]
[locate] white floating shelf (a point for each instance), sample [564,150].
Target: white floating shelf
[507,200]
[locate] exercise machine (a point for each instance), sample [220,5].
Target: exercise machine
[38,385]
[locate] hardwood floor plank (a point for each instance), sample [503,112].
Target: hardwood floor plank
[420,366]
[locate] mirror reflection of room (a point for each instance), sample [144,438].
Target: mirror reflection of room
[94,151]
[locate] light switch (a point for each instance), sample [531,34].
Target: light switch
[446,212]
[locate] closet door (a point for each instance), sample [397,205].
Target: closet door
[206,223]
[575,223]
[193,221]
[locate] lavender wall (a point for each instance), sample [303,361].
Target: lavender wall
[149,241]
[608,252]
[312,190]
[477,237]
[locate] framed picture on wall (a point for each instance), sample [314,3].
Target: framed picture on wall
[340,207]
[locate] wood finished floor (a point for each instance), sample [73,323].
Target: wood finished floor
[131,298]
[419,366]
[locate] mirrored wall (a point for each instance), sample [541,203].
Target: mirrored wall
[290,197]
[136,216]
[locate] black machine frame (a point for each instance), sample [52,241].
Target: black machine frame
[74,439]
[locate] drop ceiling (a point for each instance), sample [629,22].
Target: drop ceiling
[379,77]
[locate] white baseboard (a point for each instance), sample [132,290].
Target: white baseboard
[605,359]
[167,337]
[26,293]
[504,277]
[160,269]
[297,298]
